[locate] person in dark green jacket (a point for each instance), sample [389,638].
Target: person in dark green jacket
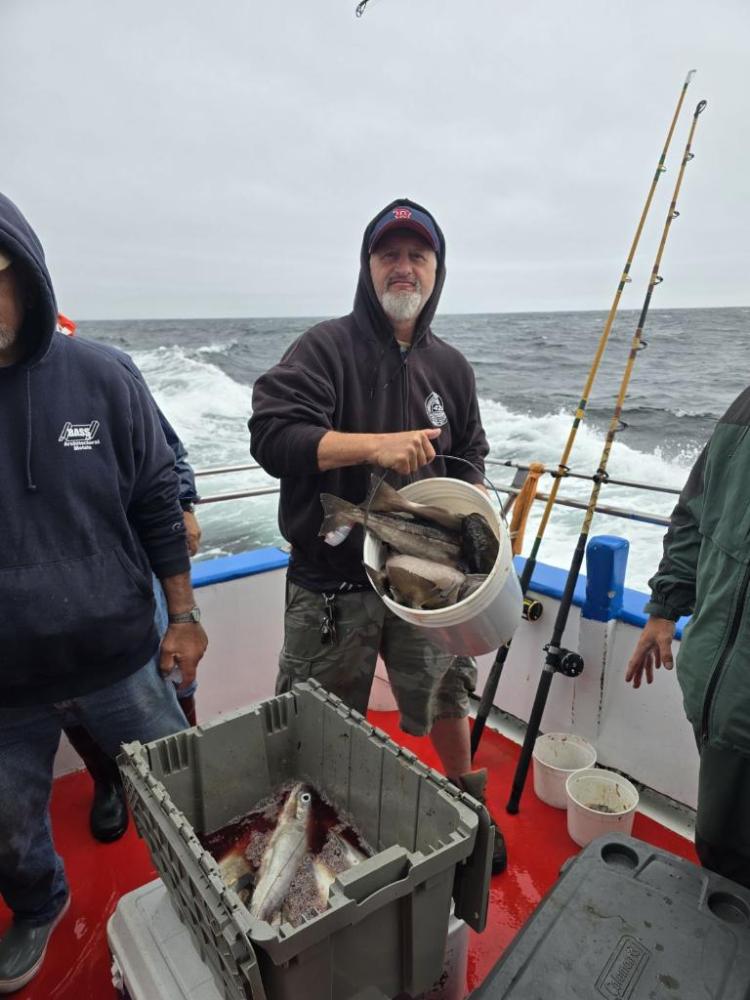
[705,571]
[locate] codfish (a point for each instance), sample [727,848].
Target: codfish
[283,855]
[479,544]
[397,531]
[387,500]
[420,583]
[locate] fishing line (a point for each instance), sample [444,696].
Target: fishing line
[490,688]
[559,660]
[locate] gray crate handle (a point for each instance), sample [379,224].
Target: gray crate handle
[389,870]
[471,890]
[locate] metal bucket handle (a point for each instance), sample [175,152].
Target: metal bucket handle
[452,458]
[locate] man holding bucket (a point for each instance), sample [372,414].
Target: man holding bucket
[374,388]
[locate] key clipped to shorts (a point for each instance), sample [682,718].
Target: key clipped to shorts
[328,622]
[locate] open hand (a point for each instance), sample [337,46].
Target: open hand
[654,650]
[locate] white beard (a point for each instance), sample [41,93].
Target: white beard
[402,307]
[7,337]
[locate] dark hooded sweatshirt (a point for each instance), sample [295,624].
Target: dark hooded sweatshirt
[88,504]
[350,375]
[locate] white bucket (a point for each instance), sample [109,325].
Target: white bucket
[594,788]
[556,757]
[486,619]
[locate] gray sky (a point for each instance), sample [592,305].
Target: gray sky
[221,159]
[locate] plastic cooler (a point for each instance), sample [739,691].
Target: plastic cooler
[153,955]
[387,921]
[627,921]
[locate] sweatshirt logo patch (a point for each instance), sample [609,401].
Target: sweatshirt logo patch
[79,437]
[435,410]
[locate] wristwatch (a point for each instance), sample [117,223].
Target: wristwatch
[186,617]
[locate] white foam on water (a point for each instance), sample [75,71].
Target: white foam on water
[525,438]
[209,410]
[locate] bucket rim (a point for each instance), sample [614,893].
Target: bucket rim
[581,741]
[603,775]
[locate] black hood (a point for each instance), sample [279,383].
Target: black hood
[368,311]
[19,241]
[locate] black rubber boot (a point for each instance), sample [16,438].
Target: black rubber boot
[474,783]
[22,951]
[108,819]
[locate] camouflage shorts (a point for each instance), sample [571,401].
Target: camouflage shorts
[428,684]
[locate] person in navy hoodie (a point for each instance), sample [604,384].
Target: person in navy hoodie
[108,817]
[89,507]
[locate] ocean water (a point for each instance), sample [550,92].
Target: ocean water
[530,369]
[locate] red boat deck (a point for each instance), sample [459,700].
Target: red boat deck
[77,963]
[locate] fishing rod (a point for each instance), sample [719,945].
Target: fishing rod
[559,660]
[490,687]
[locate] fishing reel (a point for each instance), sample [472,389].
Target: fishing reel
[563,661]
[570,663]
[532,609]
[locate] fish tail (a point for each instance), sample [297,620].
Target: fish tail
[383,497]
[337,513]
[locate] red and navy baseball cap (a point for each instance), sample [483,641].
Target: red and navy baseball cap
[405,217]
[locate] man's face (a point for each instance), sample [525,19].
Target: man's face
[11,307]
[403,268]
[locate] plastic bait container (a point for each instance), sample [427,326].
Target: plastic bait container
[599,802]
[556,756]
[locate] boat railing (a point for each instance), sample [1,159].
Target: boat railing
[510,489]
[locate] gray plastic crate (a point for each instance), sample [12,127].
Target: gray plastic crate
[387,921]
[627,921]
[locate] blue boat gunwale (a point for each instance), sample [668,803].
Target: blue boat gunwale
[548,581]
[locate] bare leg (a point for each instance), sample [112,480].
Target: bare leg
[450,737]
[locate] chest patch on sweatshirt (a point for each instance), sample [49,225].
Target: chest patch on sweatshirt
[435,410]
[79,437]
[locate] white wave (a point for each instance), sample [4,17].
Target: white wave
[218,347]
[526,438]
[209,411]
[704,414]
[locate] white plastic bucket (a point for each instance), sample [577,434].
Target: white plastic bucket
[592,791]
[556,757]
[486,619]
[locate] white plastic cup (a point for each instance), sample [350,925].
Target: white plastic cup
[556,756]
[485,620]
[599,802]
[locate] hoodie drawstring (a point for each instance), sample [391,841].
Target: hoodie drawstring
[30,484]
